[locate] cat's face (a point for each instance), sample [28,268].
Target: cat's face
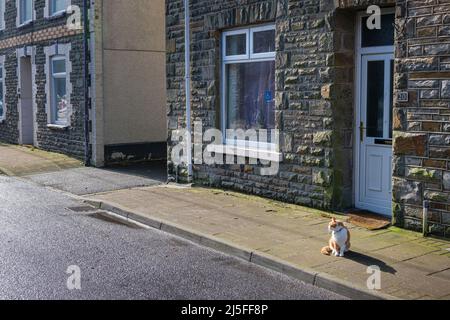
[335,225]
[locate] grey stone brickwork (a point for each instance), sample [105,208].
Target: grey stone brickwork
[43,34]
[316,135]
[422,125]
[315,99]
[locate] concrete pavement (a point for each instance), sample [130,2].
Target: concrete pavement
[412,267]
[22,161]
[43,232]
[64,173]
[81,181]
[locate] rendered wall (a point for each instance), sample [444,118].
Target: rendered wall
[134,71]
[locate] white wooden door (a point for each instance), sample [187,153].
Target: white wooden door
[375,134]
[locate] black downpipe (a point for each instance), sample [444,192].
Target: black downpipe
[87,151]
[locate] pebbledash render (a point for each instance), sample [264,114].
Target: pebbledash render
[363,112]
[86,85]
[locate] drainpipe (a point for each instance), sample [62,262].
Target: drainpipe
[87,151]
[187,60]
[426,206]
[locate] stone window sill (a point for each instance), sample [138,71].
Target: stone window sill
[57,127]
[56,15]
[252,153]
[25,24]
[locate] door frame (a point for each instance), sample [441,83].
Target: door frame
[360,52]
[27,52]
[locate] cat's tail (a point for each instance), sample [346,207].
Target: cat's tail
[326,251]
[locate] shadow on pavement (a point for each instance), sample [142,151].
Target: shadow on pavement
[155,170]
[369,261]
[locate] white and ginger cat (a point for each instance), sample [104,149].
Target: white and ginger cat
[340,239]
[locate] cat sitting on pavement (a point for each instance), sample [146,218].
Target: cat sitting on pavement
[340,239]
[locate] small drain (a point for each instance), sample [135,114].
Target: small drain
[82,209]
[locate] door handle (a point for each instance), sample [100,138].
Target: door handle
[361,131]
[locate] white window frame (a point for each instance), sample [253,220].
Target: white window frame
[53,77]
[3,84]
[2,14]
[48,13]
[57,51]
[237,146]
[263,55]
[19,21]
[224,43]
[375,49]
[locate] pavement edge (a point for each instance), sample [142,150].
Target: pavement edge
[307,275]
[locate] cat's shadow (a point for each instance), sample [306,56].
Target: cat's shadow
[370,261]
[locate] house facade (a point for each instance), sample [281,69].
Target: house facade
[82,77]
[360,96]
[36,49]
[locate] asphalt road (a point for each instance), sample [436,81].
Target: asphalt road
[44,232]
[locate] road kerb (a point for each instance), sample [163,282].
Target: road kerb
[6,172]
[304,274]
[307,275]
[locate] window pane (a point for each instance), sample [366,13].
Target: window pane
[379,37]
[250,95]
[58,5]
[264,41]
[26,7]
[59,66]
[2,12]
[60,100]
[236,44]
[375,98]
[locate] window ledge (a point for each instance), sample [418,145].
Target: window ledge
[25,24]
[253,153]
[56,15]
[58,126]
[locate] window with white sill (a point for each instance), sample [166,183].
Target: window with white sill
[58,87]
[248,78]
[58,90]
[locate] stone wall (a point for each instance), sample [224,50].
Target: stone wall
[43,32]
[422,124]
[316,135]
[315,100]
